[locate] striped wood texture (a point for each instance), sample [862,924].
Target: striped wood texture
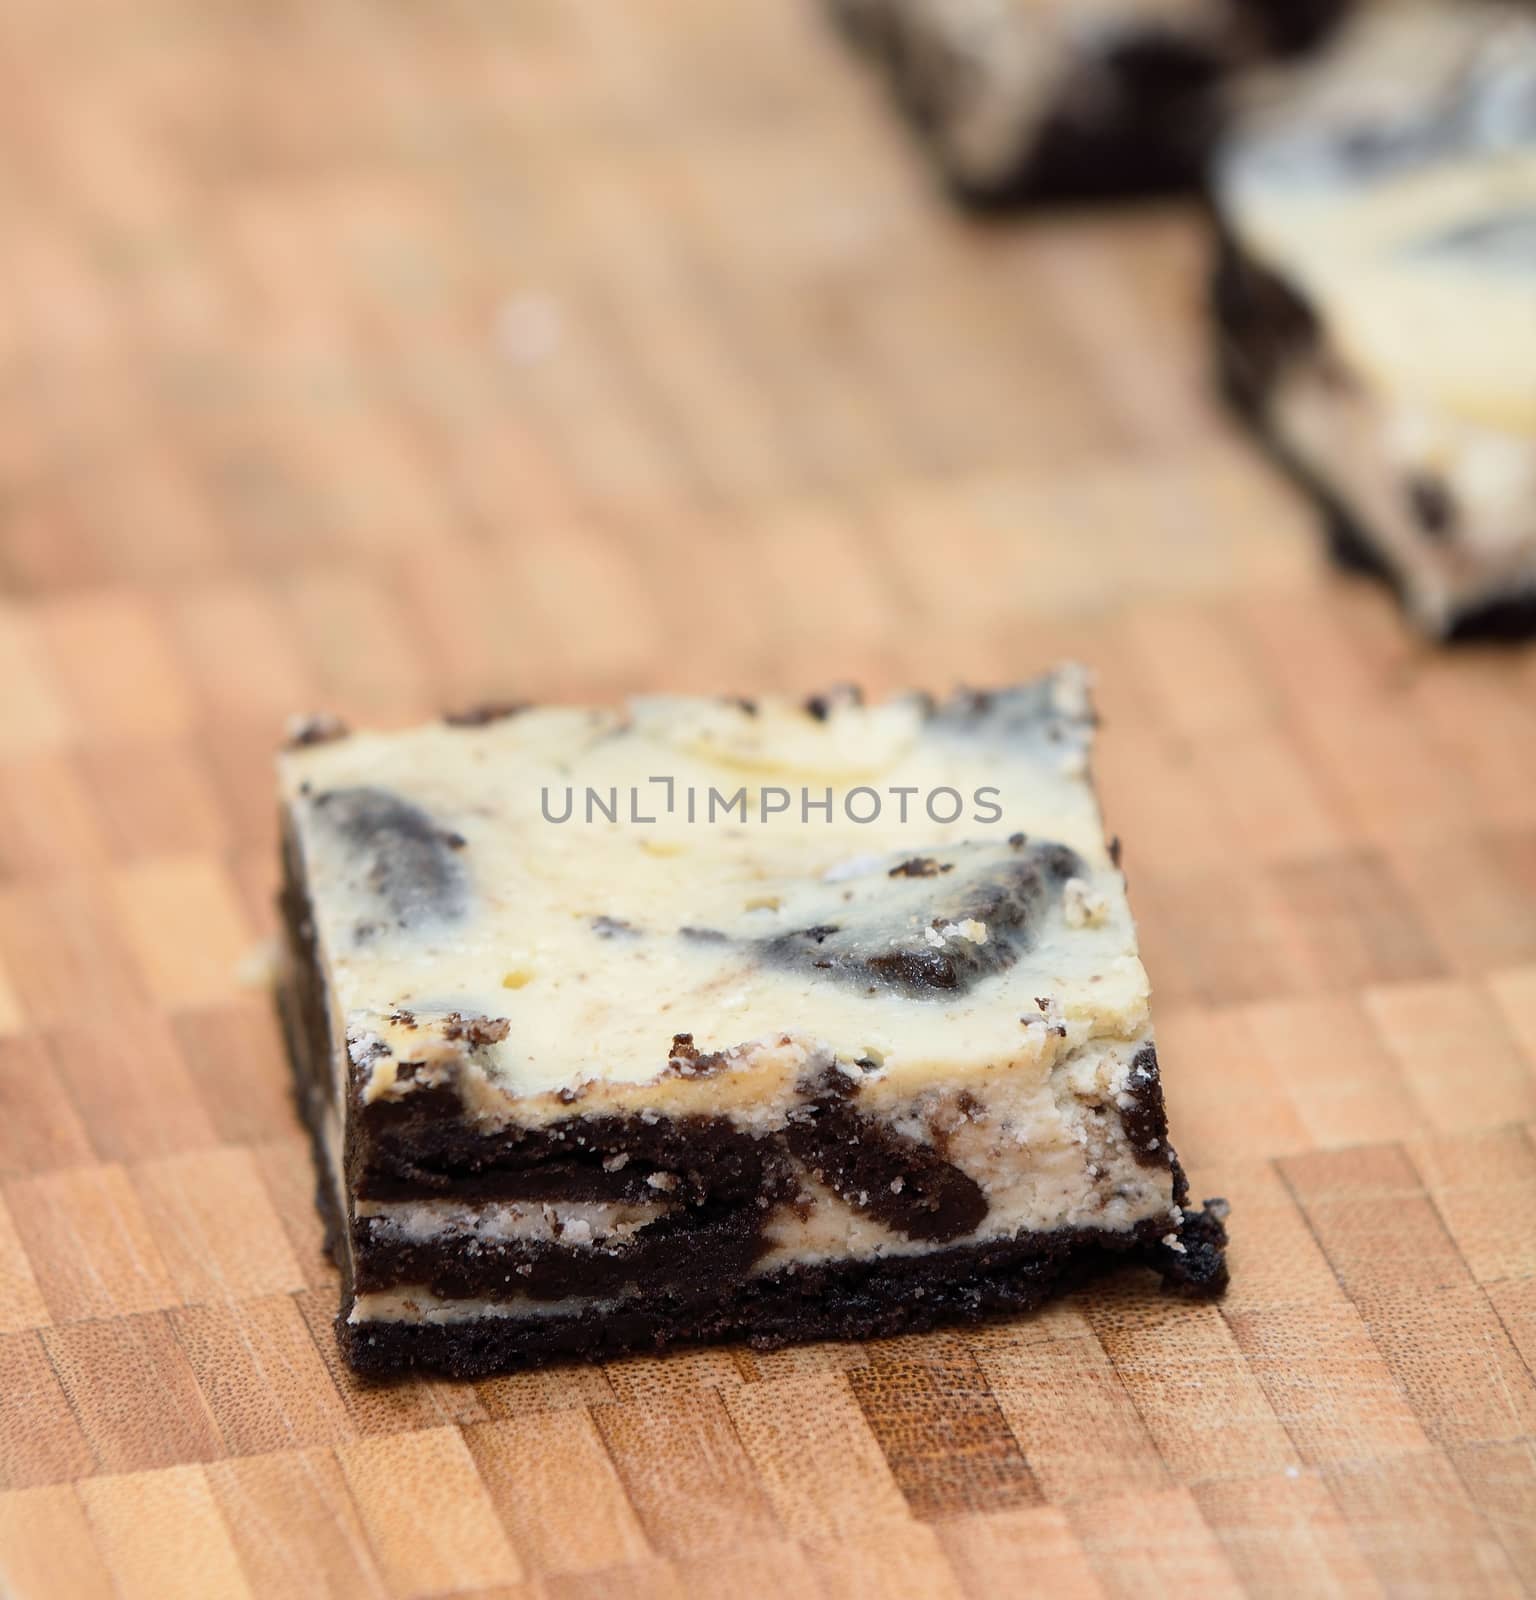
[381,354]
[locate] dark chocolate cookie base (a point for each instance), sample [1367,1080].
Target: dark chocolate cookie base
[841,1300]
[1511,620]
[1260,324]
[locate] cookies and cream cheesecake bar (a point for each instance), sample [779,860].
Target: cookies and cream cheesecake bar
[1375,300]
[1022,100]
[700,1019]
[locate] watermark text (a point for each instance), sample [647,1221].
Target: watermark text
[646,805]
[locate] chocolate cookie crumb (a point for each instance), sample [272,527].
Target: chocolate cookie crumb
[821,706]
[489,711]
[476,1031]
[921,867]
[318,728]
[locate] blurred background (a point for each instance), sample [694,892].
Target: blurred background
[381,357]
[387,352]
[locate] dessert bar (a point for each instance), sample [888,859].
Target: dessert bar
[703,1019]
[1023,100]
[1375,301]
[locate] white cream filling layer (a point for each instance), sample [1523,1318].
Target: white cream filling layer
[420,1305]
[570,1223]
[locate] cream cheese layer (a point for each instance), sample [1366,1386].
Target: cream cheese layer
[737,894]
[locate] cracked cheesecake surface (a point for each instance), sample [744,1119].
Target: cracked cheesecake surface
[704,1018]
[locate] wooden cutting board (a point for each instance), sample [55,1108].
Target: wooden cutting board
[377,356]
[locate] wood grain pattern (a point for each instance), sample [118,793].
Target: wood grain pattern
[384,357]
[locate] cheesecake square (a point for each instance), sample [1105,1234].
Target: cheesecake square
[1375,301]
[705,1019]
